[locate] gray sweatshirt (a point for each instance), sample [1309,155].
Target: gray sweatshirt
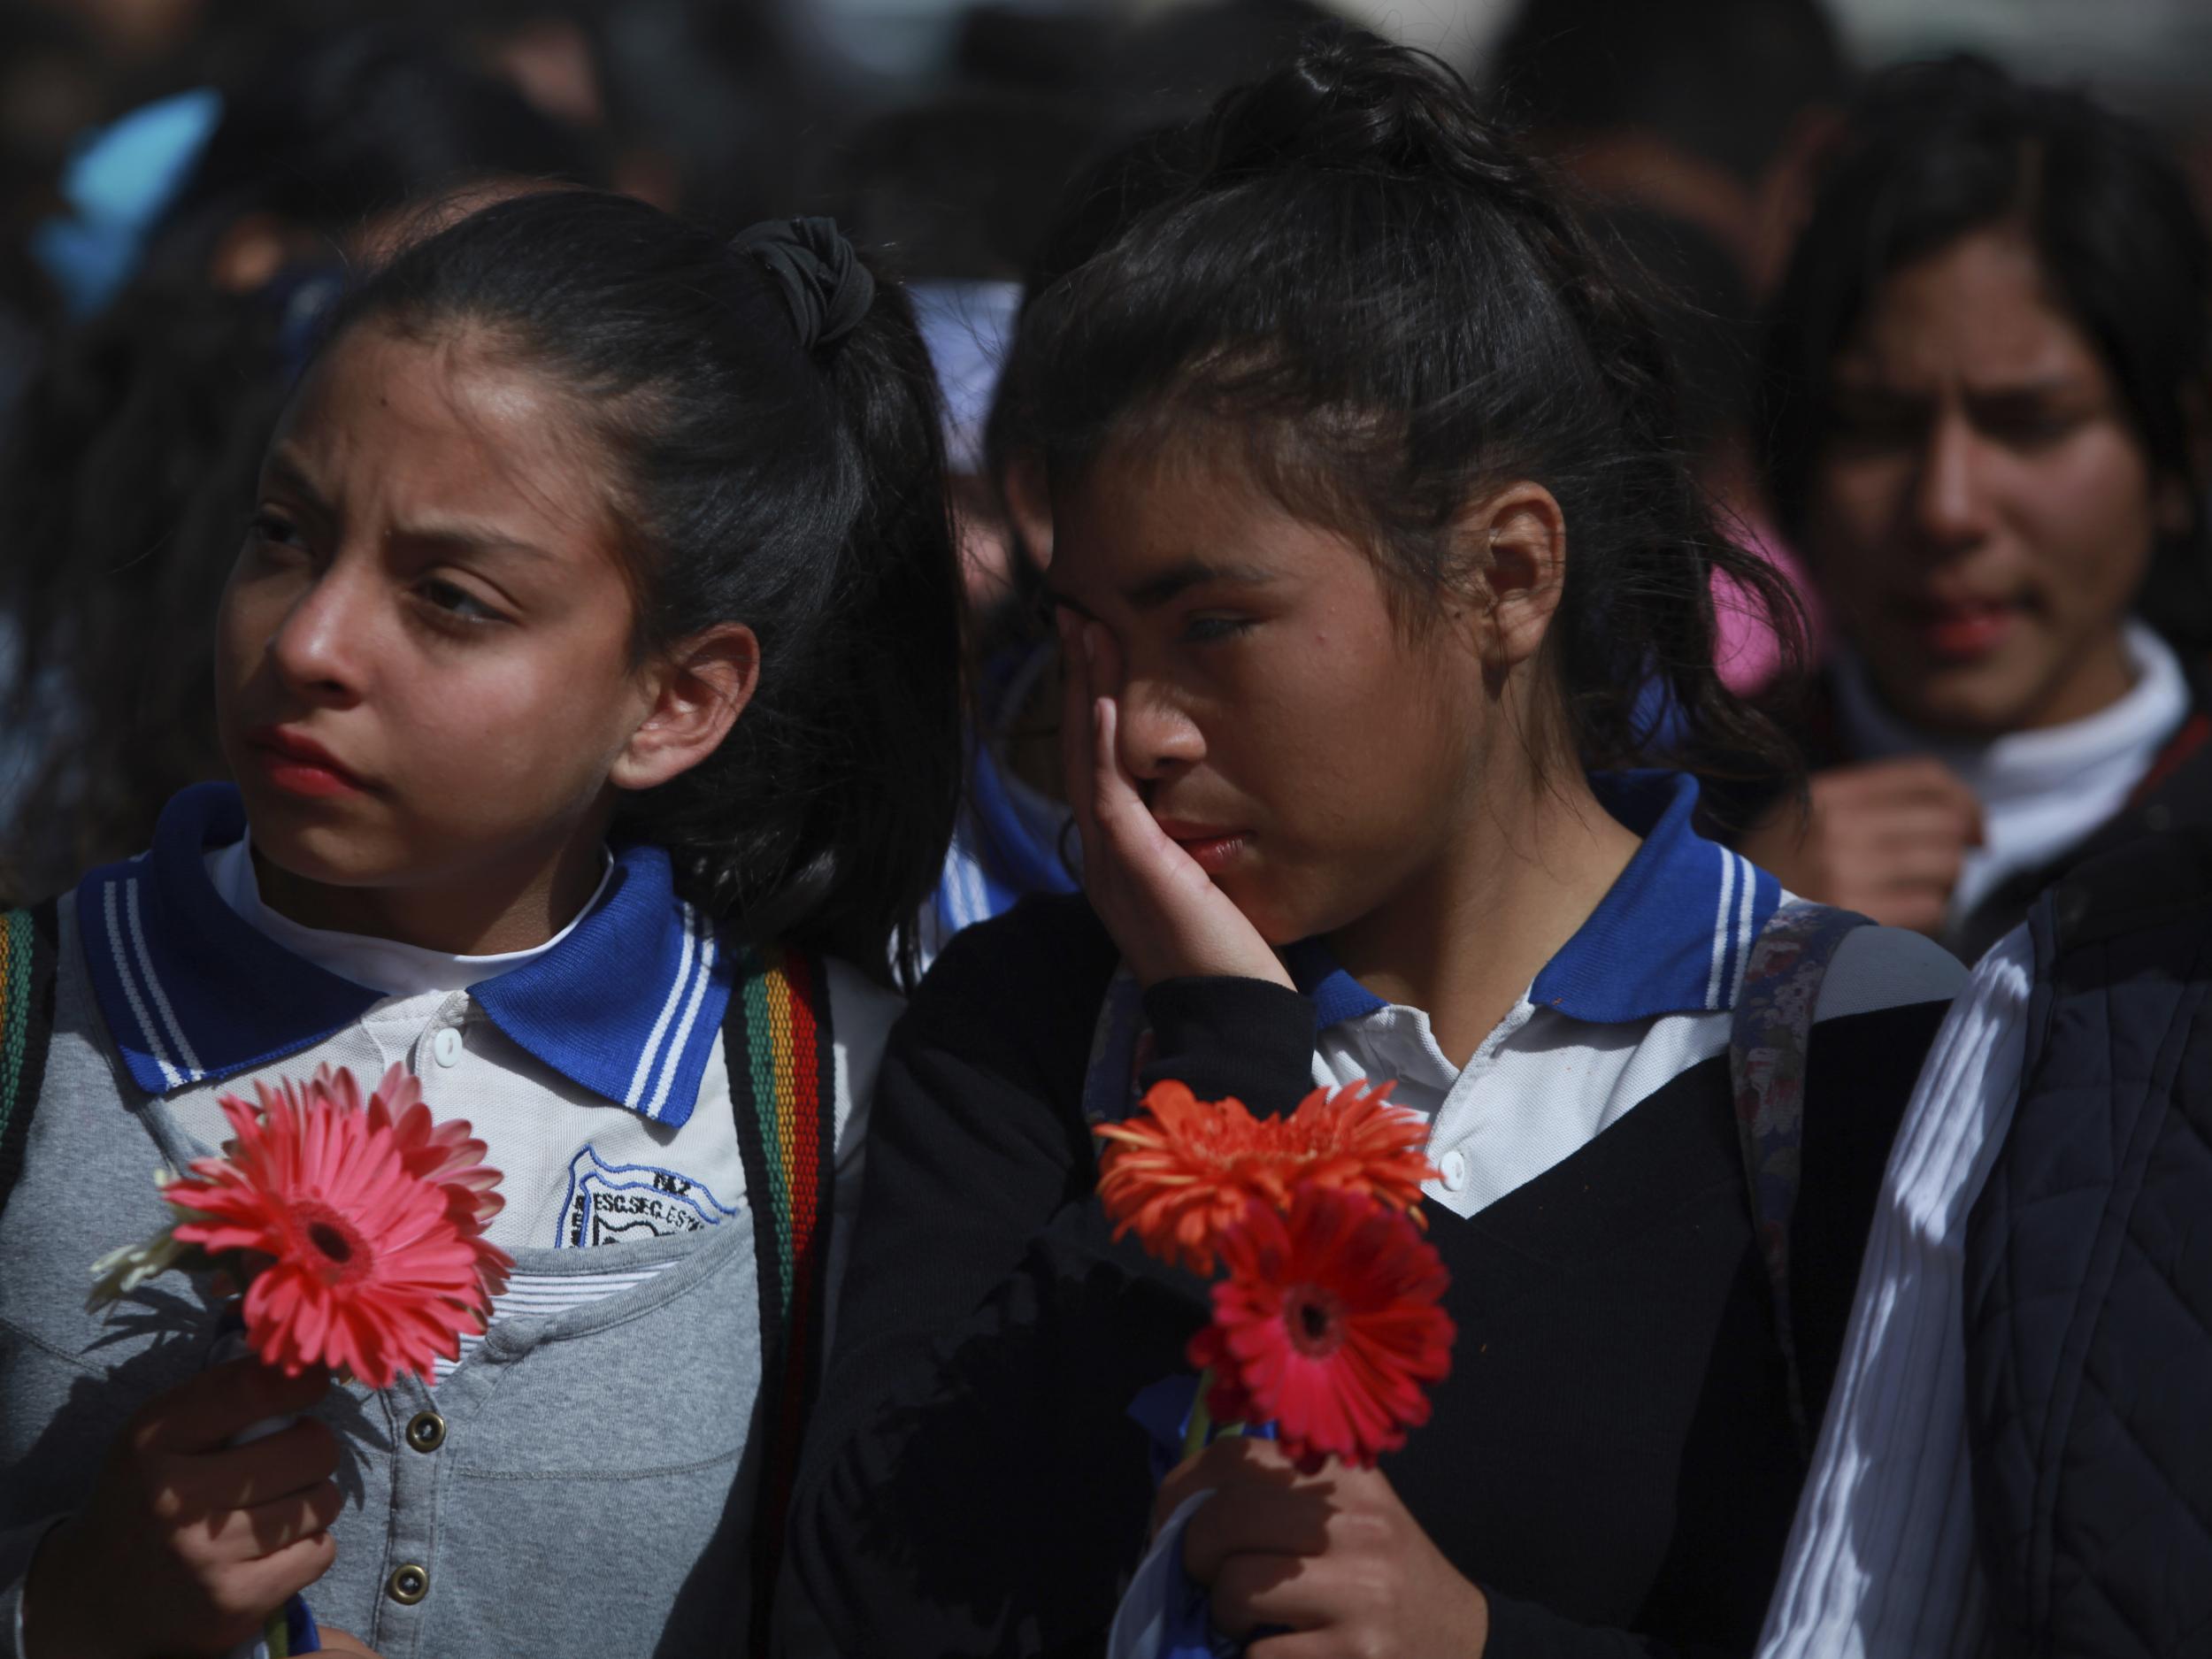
[580,1483]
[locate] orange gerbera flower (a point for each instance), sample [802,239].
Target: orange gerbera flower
[364,1228]
[1329,1323]
[1354,1140]
[1182,1170]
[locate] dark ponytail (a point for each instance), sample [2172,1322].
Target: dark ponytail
[771,415]
[1402,312]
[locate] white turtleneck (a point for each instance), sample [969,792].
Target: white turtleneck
[2041,791]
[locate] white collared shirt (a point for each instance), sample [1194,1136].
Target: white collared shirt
[1544,1084]
[1644,990]
[575,1167]
[2042,791]
[1881,1560]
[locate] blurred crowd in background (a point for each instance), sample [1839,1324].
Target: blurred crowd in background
[185,184]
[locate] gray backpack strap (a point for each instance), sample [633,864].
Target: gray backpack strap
[1768,1036]
[29,943]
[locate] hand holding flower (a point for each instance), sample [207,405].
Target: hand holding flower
[1330,1558]
[187,1543]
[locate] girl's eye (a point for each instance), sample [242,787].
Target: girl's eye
[1208,630]
[2031,428]
[449,600]
[271,530]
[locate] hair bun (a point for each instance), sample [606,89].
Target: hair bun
[1348,101]
[821,278]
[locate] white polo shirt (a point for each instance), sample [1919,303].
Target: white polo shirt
[1644,990]
[591,1066]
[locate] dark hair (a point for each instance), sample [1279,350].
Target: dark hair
[1724,80]
[126,481]
[129,463]
[1109,194]
[1935,151]
[1403,313]
[800,494]
[1708,318]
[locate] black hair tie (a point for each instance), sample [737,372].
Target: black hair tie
[821,278]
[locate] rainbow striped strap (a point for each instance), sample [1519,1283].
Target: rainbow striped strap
[783,1085]
[27,950]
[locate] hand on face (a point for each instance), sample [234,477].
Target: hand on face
[1159,904]
[1886,839]
[209,1538]
[1331,1557]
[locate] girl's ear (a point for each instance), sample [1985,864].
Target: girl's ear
[1520,550]
[697,694]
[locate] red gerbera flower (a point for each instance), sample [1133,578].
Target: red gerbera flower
[1182,1170]
[1330,1322]
[369,1223]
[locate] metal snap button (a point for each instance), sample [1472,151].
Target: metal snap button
[427,1431]
[408,1584]
[446,1046]
[1453,1170]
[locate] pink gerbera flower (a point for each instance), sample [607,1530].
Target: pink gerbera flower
[1330,1322]
[366,1226]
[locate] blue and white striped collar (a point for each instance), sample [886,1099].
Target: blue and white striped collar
[1670,936]
[627,1005]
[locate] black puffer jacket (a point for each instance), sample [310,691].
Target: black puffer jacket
[2089,1275]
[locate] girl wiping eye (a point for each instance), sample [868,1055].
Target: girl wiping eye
[1398,816]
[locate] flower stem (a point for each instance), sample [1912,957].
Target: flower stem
[1200,1425]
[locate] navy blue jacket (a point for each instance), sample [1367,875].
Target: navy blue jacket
[2089,1275]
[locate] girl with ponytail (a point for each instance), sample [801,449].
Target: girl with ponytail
[589,673]
[1371,533]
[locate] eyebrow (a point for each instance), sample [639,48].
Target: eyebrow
[464,537]
[293,477]
[458,533]
[1156,591]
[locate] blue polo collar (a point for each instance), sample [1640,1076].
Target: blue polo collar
[627,1005]
[1670,936]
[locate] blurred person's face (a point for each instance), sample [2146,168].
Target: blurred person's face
[1318,759]
[424,663]
[1983,514]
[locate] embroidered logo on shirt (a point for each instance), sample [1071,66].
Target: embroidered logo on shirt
[623,1203]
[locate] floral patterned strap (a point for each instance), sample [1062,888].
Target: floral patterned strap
[1770,1036]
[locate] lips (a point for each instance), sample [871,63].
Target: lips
[1213,850]
[1962,630]
[297,764]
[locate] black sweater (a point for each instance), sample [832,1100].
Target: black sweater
[1611,1458]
